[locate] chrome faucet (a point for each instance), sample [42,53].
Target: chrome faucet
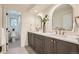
[60,31]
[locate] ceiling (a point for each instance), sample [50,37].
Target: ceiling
[27,6]
[40,7]
[30,7]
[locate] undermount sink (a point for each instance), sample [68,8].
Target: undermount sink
[71,36]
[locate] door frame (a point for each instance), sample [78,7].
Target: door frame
[19,24]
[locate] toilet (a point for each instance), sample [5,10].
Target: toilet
[13,35]
[13,39]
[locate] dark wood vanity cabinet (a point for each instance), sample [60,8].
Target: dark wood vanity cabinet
[46,45]
[43,45]
[38,44]
[63,47]
[49,46]
[55,46]
[30,40]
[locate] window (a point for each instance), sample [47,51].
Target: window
[13,22]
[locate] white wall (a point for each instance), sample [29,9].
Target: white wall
[0,16]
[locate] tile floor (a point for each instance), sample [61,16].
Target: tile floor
[15,44]
[14,48]
[21,50]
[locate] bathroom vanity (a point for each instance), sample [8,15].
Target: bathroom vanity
[44,43]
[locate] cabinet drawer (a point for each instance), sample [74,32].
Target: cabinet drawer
[38,36]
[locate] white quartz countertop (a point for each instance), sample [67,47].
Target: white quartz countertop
[67,38]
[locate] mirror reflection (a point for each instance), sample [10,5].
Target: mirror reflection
[63,17]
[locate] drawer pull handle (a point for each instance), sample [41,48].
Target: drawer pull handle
[54,41]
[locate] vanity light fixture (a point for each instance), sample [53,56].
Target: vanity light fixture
[77,20]
[77,17]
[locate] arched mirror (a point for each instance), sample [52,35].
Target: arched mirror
[63,17]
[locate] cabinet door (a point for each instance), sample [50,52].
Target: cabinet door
[63,47]
[49,46]
[78,49]
[38,42]
[72,48]
[30,39]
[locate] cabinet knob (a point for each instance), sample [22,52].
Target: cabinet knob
[51,40]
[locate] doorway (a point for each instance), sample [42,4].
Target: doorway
[14,28]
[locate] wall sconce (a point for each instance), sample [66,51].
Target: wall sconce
[77,21]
